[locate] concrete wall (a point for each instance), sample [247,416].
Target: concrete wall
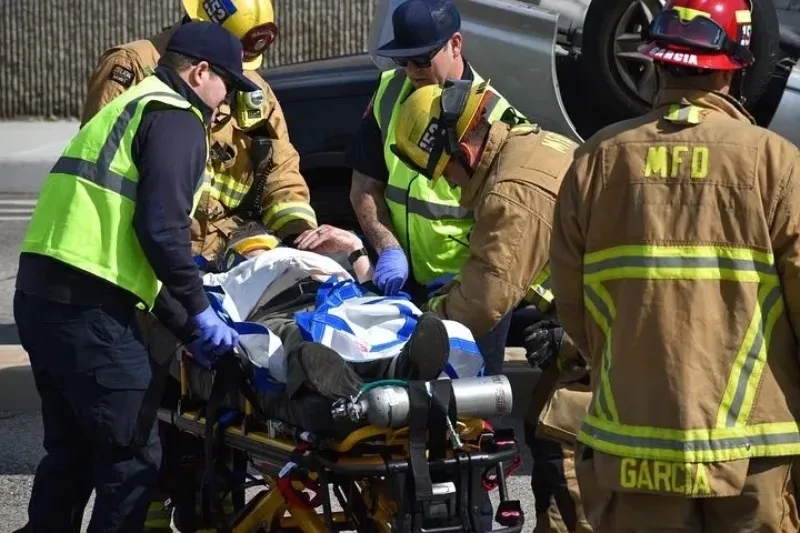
[48,48]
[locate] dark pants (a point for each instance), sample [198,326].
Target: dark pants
[552,470]
[91,371]
[493,346]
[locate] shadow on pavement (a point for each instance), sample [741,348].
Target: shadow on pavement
[9,334]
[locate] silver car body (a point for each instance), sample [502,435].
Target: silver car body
[516,44]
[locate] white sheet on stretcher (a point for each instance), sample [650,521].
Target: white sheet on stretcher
[358,327]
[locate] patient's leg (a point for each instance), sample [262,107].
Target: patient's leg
[321,370]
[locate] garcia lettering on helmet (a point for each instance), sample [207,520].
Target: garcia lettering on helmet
[678,57]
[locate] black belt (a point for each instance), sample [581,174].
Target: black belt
[298,295]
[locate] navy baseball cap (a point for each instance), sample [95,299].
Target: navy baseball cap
[421,27]
[208,41]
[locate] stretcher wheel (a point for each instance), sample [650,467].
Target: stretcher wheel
[509,513]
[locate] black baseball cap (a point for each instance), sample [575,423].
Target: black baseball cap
[208,41]
[421,27]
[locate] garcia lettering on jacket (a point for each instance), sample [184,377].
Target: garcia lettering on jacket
[664,476]
[657,476]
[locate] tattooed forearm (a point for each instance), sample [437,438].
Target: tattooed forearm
[366,195]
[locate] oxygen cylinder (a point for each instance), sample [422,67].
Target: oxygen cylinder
[485,397]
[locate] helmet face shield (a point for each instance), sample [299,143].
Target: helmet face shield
[700,33]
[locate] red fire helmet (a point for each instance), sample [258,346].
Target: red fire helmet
[709,34]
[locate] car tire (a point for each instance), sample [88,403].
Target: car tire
[617,101]
[766,48]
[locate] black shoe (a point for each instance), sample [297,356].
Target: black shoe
[322,370]
[425,354]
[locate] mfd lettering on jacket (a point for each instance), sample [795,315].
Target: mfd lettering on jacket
[676,161]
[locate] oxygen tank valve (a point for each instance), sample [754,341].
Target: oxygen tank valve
[352,409]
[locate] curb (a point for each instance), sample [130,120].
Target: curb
[18,390]
[17,207]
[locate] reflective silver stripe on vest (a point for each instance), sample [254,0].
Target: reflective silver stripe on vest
[100,173]
[388,100]
[429,210]
[492,103]
[91,172]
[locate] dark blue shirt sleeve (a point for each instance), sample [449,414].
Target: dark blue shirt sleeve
[169,151]
[365,151]
[173,316]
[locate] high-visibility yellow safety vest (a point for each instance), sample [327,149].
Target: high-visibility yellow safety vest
[429,222]
[84,215]
[733,435]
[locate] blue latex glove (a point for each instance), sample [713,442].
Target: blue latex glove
[391,271]
[215,337]
[200,261]
[437,283]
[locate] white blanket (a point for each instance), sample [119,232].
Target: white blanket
[358,326]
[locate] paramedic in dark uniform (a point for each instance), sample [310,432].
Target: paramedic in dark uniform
[111,225]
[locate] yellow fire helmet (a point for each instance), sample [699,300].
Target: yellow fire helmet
[265,241]
[433,120]
[251,21]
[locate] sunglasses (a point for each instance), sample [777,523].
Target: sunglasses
[227,79]
[420,61]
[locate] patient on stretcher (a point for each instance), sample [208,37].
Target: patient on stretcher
[310,333]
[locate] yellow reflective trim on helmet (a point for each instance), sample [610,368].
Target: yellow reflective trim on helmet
[687,13]
[256,242]
[743,16]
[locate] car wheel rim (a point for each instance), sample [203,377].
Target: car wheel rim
[636,71]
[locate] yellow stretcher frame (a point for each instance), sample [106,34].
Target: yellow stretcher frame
[271,509]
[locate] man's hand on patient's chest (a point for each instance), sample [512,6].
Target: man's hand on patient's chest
[327,240]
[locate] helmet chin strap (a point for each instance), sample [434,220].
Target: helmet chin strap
[737,86]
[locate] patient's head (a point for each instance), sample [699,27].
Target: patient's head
[245,242]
